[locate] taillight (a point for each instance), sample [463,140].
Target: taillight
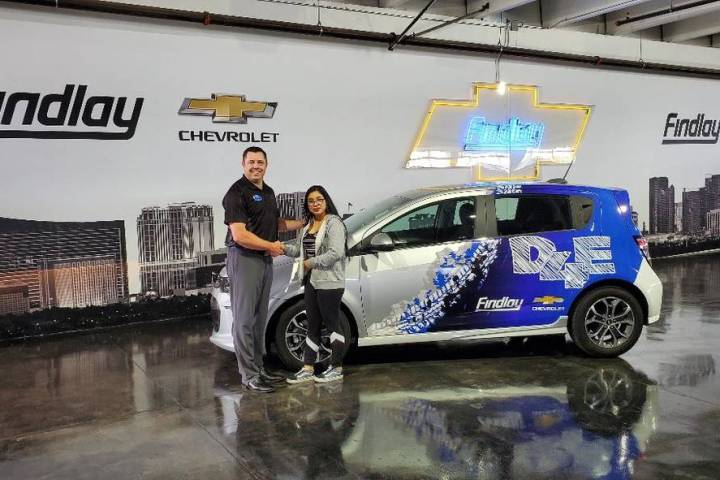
[643,246]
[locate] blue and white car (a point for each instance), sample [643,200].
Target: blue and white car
[479,260]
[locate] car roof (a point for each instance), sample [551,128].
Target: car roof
[472,186]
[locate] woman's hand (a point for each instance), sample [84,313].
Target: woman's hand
[307,265]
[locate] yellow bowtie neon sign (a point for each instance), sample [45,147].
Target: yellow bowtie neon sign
[448,134]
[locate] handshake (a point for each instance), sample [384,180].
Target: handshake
[276,249]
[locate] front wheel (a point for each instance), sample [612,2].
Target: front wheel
[606,322]
[291,332]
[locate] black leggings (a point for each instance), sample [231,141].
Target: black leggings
[323,307]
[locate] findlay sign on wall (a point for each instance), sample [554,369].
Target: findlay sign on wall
[698,130]
[71,114]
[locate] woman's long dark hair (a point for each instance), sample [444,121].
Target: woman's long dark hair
[329,205]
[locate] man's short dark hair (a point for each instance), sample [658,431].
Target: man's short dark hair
[253,150]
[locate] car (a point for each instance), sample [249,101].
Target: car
[478,260]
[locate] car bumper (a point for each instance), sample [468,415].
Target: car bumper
[650,285]
[222,321]
[223,341]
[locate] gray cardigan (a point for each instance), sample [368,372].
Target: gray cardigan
[328,264]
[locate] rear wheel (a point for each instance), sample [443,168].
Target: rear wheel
[606,322]
[291,332]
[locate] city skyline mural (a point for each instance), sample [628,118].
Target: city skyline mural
[46,264]
[61,264]
[689,225]
[170,240]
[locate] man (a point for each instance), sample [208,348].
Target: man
[253,221]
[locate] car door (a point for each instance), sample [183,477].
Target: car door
[527,286]
[408,288]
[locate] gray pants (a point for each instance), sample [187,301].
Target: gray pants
[250,280]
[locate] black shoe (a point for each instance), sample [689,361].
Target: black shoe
[273,380]
[257,385]
[269,377]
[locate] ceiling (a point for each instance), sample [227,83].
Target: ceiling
[695,22]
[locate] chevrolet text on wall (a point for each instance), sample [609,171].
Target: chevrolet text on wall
[72,114]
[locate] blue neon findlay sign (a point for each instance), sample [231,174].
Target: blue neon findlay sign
[513,135]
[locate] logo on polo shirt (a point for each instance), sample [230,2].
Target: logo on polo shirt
[257,197]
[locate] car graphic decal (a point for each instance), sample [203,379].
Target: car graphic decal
[450,275]
[533,255]
[508,189]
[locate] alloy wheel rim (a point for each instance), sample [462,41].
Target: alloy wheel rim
[609,322]
[296,333]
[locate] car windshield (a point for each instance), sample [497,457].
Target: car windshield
[374,213]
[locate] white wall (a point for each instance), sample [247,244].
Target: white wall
[347,115]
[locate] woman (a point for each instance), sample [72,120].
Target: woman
[322,248]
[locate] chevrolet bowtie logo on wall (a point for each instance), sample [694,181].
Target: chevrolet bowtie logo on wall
[225,108]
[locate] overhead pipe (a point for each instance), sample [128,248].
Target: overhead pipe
[414,21]
[665,11]
[160,13]
[454,20]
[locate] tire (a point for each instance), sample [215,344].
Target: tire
[290,336]
[606,322]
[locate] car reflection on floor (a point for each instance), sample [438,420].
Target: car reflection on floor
[589,423]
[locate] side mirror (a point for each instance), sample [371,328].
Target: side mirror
[382,242]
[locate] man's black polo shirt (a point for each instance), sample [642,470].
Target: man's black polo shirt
[255,207]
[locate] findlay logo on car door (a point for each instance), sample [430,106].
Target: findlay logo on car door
[504,304]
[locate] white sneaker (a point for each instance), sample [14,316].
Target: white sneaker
[301,377]
[331,374]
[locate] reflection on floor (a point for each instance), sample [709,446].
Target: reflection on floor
[161,402]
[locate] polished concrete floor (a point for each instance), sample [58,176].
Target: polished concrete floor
[161,402]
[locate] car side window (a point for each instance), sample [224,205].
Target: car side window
[458,220]
[449,220]
[521,214]
[415,228]
[582,210]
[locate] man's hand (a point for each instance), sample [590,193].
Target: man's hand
[276,249]
[307,265]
